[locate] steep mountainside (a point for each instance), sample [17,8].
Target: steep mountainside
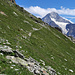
[23,32]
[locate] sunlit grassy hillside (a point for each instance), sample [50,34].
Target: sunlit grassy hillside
[26,32]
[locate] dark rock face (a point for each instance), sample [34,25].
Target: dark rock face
[59,29]
[71,30]
[13,1]
[18,54]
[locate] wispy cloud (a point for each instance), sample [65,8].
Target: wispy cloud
[71,17]
[36,10]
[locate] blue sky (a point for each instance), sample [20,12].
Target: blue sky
[39,8]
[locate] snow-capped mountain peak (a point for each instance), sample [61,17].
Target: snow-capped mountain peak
[55,20]
[54,15]
[61,25]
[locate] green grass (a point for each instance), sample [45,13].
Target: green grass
[6,68]
[42,44]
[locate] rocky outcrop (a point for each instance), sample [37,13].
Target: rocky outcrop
[5,49]
[18,54]
[59,29]
[13,1]
[31,64]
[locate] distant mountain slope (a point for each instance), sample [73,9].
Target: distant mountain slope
[20,30]
[55,20]
[71,30]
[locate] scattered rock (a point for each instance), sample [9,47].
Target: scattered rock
[70,70]
[18,54]
[31,64]
[5,49]
[16,69]
[15,13]
[42,62]
[12,58]
[51,70]
[11,67]
[34,19]
[1,53]
[1,12]
[30,34]
[65,59]
[35,29]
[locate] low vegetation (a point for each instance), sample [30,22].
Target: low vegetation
[34,38]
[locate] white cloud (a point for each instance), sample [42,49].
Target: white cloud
[36,10]
[39,11]
[71,17]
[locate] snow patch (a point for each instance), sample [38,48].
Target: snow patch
[67,20]
[61,24]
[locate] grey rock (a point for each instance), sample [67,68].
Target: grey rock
[18,54]
[6,49]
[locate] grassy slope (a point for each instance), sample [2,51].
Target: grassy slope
[45,44]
